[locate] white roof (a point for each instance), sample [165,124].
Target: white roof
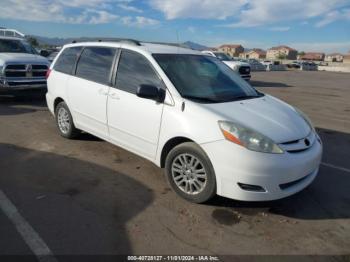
[10,32]
[146,47]
[11,38]
[166,49]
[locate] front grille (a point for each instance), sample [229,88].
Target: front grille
[15,73]
[290,142]
[244,70]
[300,145]
[38,67]
[25,70]
[16,67]
[39,73]
[297,150]
[26,83]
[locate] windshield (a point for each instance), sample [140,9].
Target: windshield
[222,56]
[16,46]
[204,78]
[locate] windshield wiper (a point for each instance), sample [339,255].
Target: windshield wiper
[244,97]
[202,99]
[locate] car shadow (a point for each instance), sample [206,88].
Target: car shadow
[326,198]
[255,83]
[78,207]
[88,137]
[16,105]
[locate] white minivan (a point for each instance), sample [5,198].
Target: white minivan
[188,113]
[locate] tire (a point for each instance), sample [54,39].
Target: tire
[184,178]
[64,121]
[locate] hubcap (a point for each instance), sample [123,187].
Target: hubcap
[63,120]
[189,174]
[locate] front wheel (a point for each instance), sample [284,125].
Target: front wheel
[64,121]
[190,173]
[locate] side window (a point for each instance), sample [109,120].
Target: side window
[66,61]
[95,64]
[135,70]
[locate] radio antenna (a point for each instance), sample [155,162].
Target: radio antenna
[178,40]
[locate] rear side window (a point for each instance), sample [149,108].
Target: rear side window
[135,70]
[66,61]
[95,64]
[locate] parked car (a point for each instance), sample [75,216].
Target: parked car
[267,63]
[256,65]
[273,65]
[308,66]
[52,56]
[242,68]
[21,67]
[294,64]
[188,113]
[322,63]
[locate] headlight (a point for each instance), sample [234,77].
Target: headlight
[233,67]
[248,138]
[306,118]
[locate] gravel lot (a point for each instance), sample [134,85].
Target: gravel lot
[89,197]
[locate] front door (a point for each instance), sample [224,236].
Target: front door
[134,122]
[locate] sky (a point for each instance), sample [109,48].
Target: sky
[306,25]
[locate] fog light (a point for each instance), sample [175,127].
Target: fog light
[253,188]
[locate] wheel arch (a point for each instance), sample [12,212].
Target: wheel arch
[56,102]
[169,145]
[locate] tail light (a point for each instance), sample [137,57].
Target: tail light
[48,73]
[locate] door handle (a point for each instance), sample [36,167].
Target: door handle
[114,96]
[102,92]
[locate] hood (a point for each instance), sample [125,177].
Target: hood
[266,115]
[22,58]
[236,63]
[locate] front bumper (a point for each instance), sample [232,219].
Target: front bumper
[280,175]
[246,77]
[15,85]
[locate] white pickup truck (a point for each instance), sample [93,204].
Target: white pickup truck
[21,66]
[241,68]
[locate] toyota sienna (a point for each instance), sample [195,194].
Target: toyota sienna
[188,113]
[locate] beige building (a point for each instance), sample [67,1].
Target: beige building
[255,53]
[312,56]
[278,52]
[231,50]
[346,58]
[335,57]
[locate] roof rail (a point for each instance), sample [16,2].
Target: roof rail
[11,33]
[119,40]
[171,44]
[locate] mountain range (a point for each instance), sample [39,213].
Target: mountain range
[56,41]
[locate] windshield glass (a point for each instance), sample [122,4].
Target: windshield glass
[222,56]
[204,78]
[16,46]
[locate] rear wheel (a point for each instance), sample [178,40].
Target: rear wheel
[190,173]
[64,121]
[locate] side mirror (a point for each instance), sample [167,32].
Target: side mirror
[44,53]
[151,92]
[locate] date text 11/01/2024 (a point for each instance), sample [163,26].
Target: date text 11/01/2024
[173,258]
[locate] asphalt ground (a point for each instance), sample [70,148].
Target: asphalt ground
[88,197]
